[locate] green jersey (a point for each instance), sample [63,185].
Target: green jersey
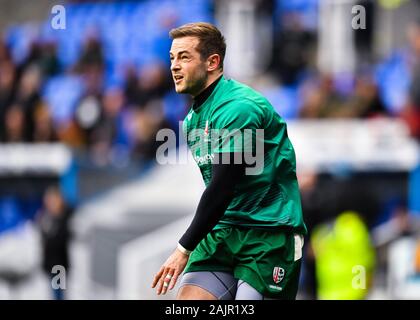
[236,118]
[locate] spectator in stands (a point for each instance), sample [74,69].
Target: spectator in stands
[321,99]
[7,82]
[15,130]
[29,85]
[108,132]
[365,101]
[145,92]
[92,55]
[91,65]
[7,90]
[44,56]
[33,57]
[7,79]
[154,82]
[293,49]
[50,64]
[72,134]
[131,80]
[53,222]
[344,258]
[44,130]
[148,121]
[28,95]
[4,52]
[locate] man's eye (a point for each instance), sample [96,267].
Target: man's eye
[184,57]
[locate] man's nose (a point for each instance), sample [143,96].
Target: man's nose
[175,65]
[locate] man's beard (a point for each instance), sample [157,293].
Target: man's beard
[198,85]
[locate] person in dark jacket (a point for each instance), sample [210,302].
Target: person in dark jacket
[55,235]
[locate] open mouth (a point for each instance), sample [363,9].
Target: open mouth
[178,78]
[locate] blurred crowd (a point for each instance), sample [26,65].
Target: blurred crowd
[121,119]
[112,120]
[380,86]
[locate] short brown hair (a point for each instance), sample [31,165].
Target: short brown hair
[211,40]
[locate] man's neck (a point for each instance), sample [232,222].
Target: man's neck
[210,80]
[206,92]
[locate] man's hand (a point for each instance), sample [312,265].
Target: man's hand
[169,272]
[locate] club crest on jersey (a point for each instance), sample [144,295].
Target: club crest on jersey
[206,129]
[206,132]
[278,274]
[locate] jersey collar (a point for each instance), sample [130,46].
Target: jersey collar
[203,96]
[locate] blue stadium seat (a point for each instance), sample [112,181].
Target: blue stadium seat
[62,94]
[285,101]
[10,215]
[393,79]
[174,106]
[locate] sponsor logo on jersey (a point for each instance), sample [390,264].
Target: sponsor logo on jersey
[208,158]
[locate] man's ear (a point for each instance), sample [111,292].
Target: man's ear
[213,62]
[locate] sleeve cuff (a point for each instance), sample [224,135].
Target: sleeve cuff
[183,250]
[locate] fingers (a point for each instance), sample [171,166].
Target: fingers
[157,277]
[168,274]
[159,287]
[159,280]
[166,280]
[173,281]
